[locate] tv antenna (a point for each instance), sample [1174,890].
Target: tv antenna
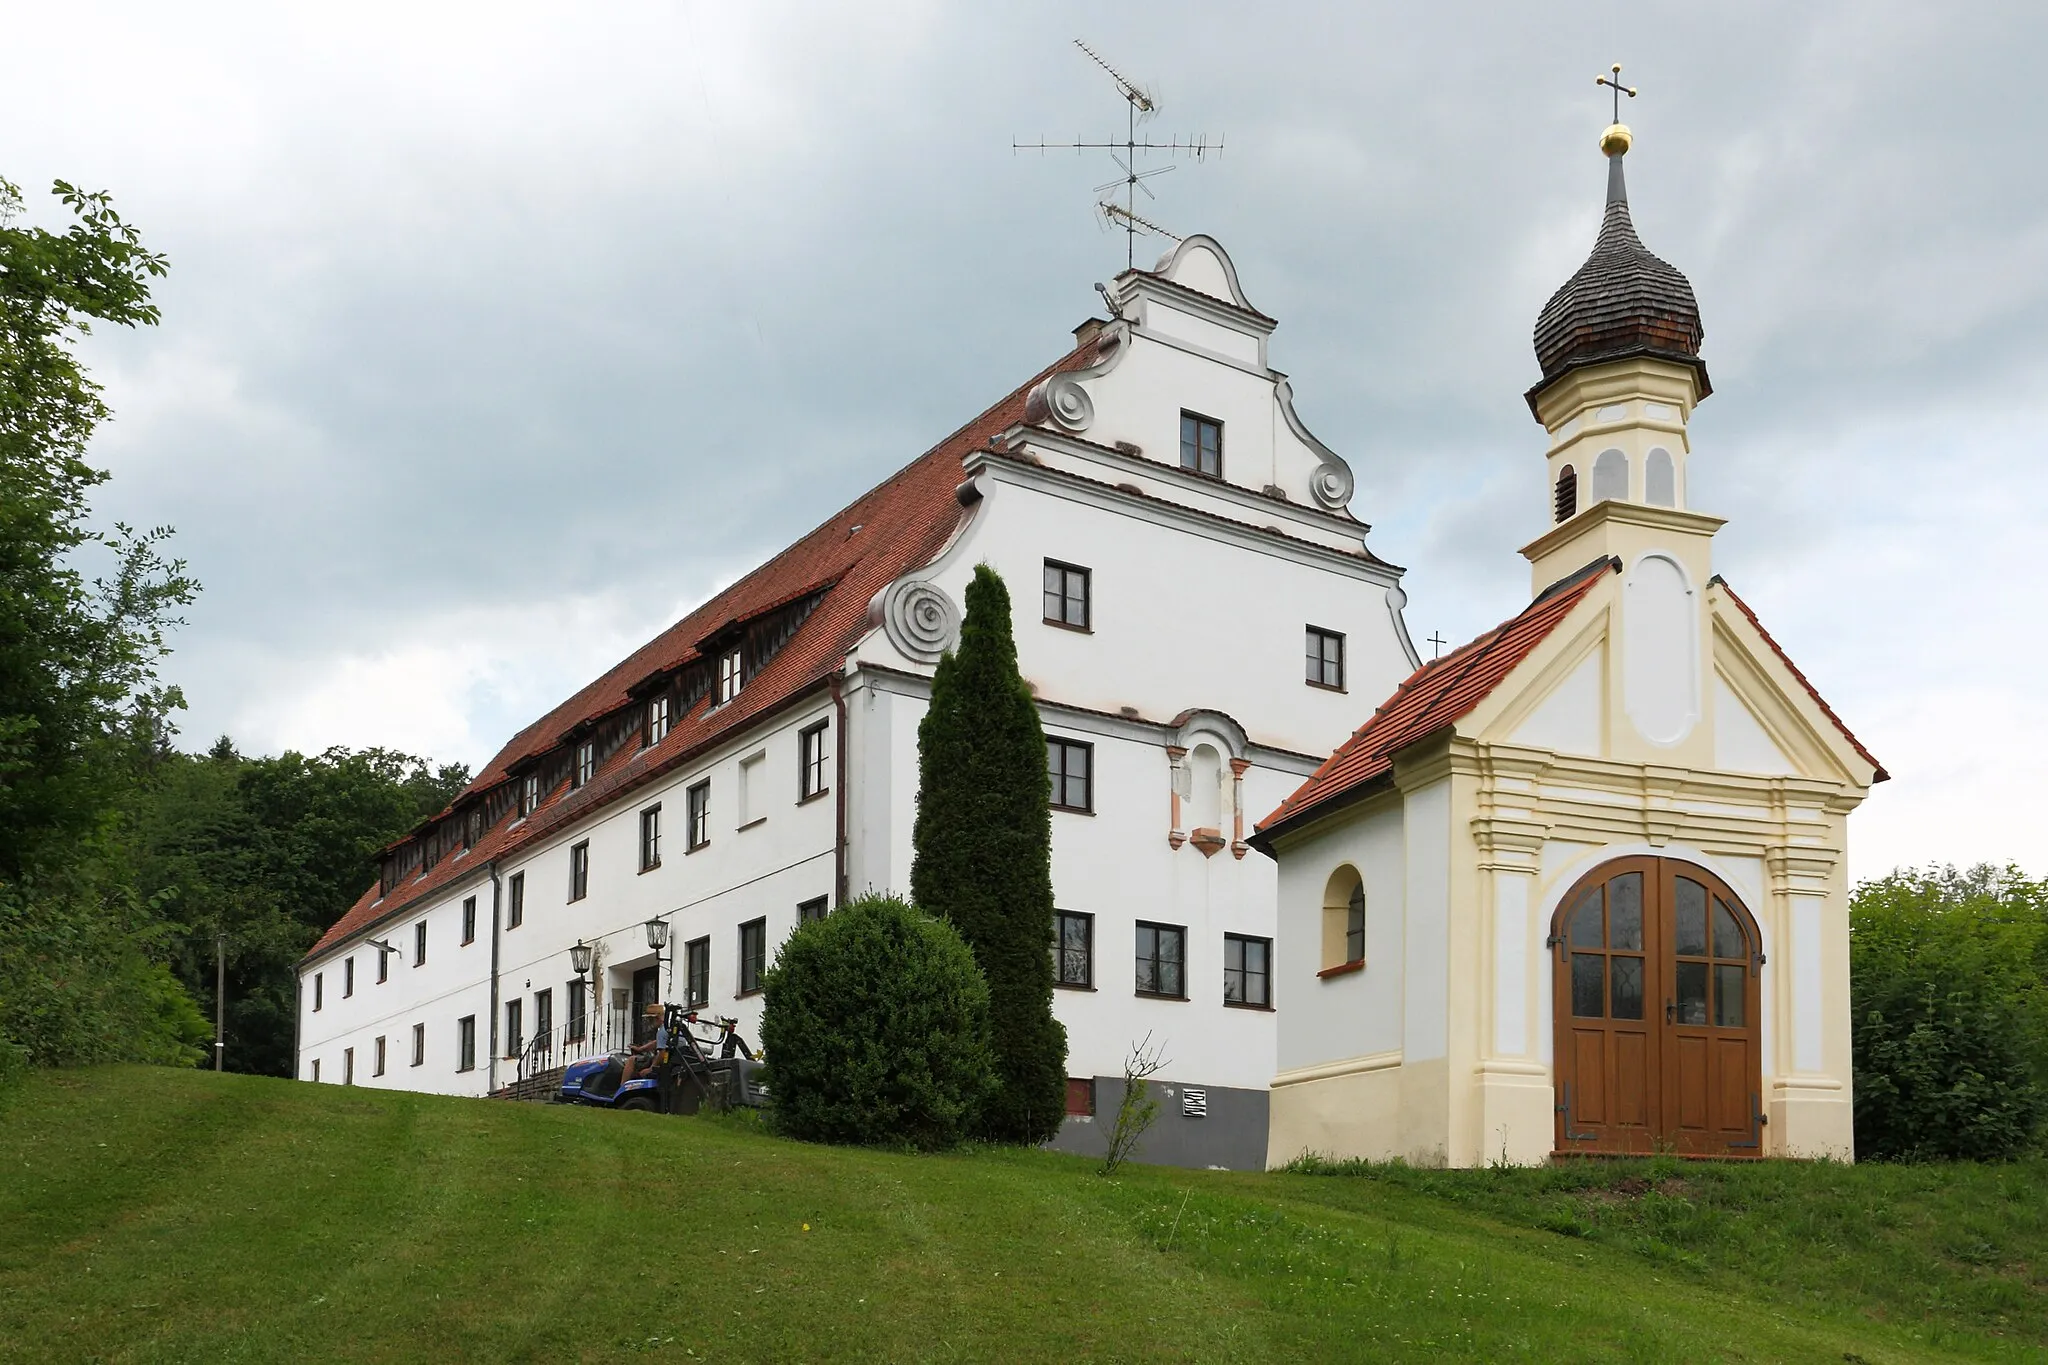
[1140,104]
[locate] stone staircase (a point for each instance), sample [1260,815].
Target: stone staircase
[541,1087]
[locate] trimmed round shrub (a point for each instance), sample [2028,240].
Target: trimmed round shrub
[876,1029]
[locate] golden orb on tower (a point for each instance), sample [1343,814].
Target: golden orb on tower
[1617,139]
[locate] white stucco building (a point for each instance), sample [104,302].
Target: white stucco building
[1198,615]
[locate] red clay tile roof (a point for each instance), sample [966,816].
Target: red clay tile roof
[1811,691]
[903,522]
[1435,696]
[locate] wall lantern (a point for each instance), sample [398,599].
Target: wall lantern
[579,957]
[657,933]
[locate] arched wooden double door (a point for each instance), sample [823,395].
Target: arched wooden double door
[1658,1037]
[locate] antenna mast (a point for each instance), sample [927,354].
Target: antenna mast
[1140,104]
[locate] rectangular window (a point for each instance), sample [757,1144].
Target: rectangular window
[1073,953]
[515,1042]
[578,1011]
[697,972]
[753,954]
[810,761]
[579,870]
[419,1044]
[348,1066]
[377,1056]
[729,676]
[698,812]
[319,991]
[586,761]
[529,794]
[469,919]
[1162,960]
[348,977]
[813,909]
[1081,1096]
[749,793]
[650,838]
[1201,444]
[419,944]
[1066,595]
[515,901]
[465,1043]
[657,719]
[1071,764]
[1247,971]
[543,1015]
[1325,658]
[316,1070]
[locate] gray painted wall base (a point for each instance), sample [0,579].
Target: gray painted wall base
[1231,1134]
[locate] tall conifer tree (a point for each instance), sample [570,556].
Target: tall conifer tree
[983,854]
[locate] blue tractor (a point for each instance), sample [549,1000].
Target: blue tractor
[691,1062]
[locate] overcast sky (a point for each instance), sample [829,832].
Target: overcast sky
[498,336]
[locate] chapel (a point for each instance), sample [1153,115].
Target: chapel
[1579,885]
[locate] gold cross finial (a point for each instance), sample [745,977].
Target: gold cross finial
[1613,82]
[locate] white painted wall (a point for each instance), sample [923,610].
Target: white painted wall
[1360,1013]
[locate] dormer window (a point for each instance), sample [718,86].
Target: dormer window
[1201,444]
[586,761]
[657,719]
[529,794]
[728,675]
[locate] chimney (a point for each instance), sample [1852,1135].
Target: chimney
[1088,331]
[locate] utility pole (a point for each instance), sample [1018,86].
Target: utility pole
[220,1001]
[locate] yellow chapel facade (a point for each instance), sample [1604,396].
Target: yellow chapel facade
[1580,885]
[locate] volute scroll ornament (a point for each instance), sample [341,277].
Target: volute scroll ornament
[1332,486]
[921,621]
[1061,399]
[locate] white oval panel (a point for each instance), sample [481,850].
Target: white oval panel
[1660,650]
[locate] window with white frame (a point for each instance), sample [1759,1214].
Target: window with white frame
[697,972]
[697,813]
[1073,952]
[529,794]
[1247,971]
[729,675]
[1162,960]
[812,745]
[586,761]
[650,838]
[657,719]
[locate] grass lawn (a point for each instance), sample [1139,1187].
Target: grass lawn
[160,1215]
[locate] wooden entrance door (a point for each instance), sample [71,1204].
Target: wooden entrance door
[1657,1040]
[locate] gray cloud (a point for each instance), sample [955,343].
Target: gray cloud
[497,335]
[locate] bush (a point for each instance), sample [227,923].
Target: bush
[876,1029]
[1950,1022]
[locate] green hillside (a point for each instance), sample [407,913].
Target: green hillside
[161,1215]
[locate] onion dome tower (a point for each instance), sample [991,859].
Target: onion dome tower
[1619,347]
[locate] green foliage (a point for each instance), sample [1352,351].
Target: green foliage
[78,695]
[269,852]
[1949,974]
[983,854]
[876,1029]
[82,976]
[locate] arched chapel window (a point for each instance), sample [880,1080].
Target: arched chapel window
[1344,921]
[1610,476]
[1567,493]
[1205,770]
[1660,480]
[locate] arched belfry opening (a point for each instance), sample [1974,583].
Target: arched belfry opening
[1567,497]
[1658,1031]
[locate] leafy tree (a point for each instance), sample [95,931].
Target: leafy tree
[77,659]
[82,956]
[983,854]
[1949,976]
[268,852]
[876,1029]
